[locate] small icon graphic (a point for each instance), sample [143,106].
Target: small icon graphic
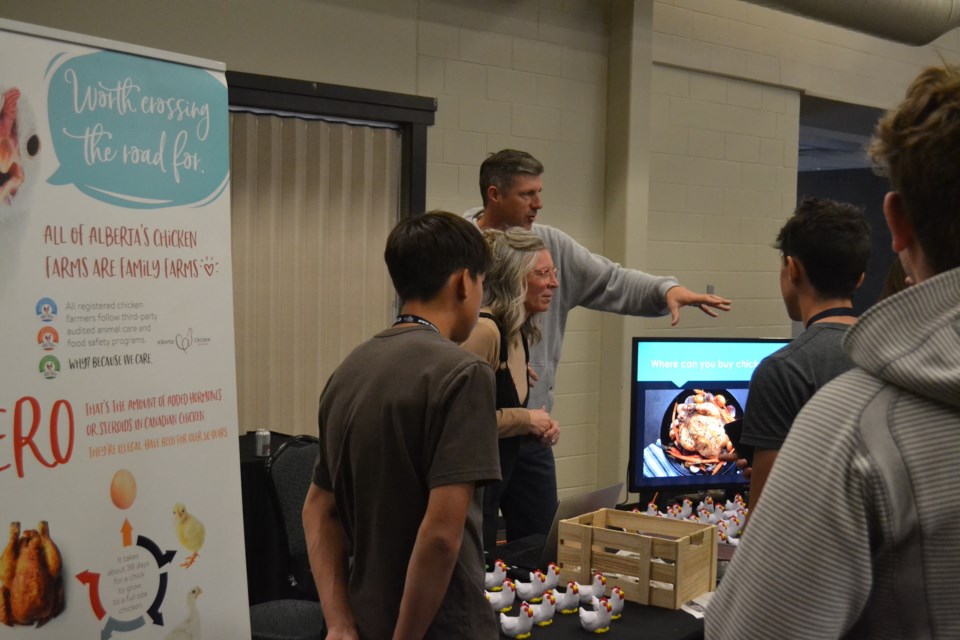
[49,367]
[48,338]
[46,309]
[184,342]
[209,265]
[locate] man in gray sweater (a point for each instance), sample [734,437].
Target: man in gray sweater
[510,185]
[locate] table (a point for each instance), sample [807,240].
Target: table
[262,526]
[266,565]
[638,621]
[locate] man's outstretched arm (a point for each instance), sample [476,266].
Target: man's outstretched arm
[680,296]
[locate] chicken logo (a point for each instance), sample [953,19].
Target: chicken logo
[48,338]
[46,310]
[49,367]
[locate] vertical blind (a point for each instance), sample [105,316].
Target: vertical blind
[312,204]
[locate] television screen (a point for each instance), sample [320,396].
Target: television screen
[687,395]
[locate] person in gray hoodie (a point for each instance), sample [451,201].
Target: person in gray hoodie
[856,534]
[511,186]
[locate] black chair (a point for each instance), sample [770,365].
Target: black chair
[298,615]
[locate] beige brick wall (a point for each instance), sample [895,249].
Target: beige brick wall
[727,76]
[722,180]
[534,88]
[533,74]
[743,40]
[541,88]
[360,43]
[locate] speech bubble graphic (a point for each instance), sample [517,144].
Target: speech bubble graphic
[722,362]
[137,132]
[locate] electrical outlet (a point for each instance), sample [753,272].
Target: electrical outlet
[709,289]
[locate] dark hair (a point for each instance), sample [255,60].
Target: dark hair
[896,279]
[424,251]
[917,145]
[832,242]
[500,169]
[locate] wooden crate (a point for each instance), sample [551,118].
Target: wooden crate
[666,562]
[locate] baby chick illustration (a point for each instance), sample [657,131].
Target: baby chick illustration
[189,629]
[190,531]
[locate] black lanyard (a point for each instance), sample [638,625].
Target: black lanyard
[830,313]
[408,318]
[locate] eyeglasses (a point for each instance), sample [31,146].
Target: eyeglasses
[546,272]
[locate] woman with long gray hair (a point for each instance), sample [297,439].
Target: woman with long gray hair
[518,286]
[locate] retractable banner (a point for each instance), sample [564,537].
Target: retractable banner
[118,415]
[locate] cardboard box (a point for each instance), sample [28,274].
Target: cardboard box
[660,561]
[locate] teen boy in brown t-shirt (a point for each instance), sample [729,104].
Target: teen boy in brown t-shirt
[407,435]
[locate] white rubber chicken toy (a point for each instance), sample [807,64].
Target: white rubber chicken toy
[190,531]
[598,620]
[616,603]
[543,613]
[596,588]
[502,600]
[493,580]
[569,601]
[725,539]
[520,626]
[532,591]
[552,574]
[734,525]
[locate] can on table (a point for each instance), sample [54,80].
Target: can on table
[262,443]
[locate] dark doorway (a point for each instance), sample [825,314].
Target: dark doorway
[833,163]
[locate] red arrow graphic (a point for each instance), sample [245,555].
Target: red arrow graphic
[92,580]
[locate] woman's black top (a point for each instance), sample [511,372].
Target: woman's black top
[507,395]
